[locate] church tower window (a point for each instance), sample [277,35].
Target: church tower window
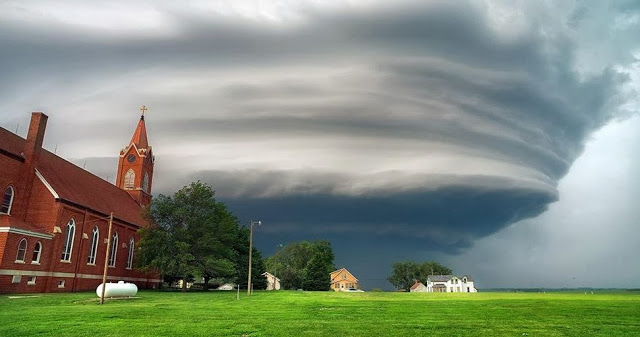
[129,179]
[145,182]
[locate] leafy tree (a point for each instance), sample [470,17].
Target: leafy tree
[405,273]
[242,262]
[304,264]
[191,234]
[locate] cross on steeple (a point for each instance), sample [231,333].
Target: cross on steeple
[143,109]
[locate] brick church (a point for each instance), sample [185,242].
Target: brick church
[54,215]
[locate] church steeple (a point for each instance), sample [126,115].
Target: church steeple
[135,167]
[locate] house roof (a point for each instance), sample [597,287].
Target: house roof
[335,273]
[440,278]
[445,278]
[78,186]
[268,274]
[416,285]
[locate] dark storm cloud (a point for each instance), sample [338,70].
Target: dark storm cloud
[422,120]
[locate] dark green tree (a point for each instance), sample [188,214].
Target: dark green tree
[242,262]
[191,234]
[405,273]
[299,264]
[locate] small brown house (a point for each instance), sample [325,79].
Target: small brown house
[343,280]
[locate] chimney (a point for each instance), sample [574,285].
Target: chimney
[32,150]
[35,137]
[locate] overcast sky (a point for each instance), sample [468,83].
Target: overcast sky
[498,137]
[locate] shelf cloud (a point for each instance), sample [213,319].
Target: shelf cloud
[430,123]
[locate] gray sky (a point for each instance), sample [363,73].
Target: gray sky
[403,130]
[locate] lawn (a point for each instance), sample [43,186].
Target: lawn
[297,313]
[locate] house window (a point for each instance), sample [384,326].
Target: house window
[145,182]
[31,280]
[68,241]
[22,251]
[16,279]
[113,250]
[61,284]
[7,200]
[130,255]
[93,248]
[129,179]
[35,259]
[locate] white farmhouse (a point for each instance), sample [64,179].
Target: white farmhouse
[450,284]
[272,281]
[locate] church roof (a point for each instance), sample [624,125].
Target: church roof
[76,185]
[7,221]
[11,143]
[81,187]
[140,135]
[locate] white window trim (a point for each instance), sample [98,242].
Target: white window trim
[93,249]
[24,255]
[69,247]
[37,261]
[33,282]
[130,254]
[13,196]
[113,250]
[145,182]
[129,179]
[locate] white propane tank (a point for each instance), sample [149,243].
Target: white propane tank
[120,289]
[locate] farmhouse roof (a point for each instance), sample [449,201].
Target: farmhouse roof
[416,285]
[335,273]
[445,278]
[440,278]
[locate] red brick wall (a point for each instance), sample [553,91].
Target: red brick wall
[9,176]
[9,243]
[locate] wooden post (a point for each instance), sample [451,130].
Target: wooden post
[106,260]
[250,253]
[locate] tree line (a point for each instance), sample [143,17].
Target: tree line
[405,273]
[303,265]
[192,236]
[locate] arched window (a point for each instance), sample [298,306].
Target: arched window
[35,259]
[145,182]
[7,200]
[129,179]
[93,248]
[113,250]
[68,241]
[22,250]
[130,255]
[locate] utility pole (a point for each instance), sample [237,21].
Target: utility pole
[250,254]
[106,260]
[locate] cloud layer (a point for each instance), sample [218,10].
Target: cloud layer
[426,124]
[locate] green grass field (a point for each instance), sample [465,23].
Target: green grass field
[291,313]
